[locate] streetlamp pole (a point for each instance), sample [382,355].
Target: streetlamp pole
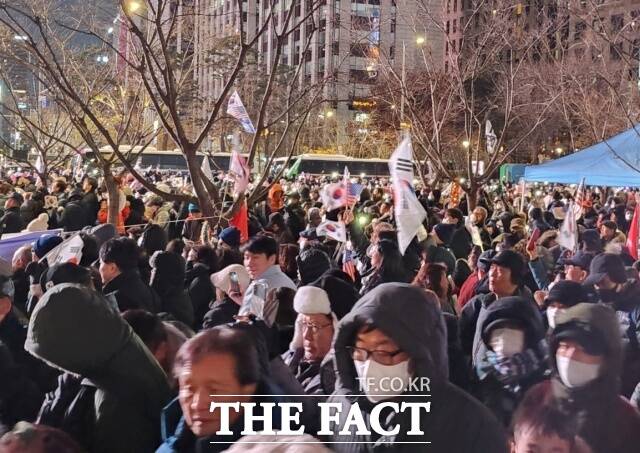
[404,79]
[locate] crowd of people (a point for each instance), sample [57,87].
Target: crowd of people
[527,346]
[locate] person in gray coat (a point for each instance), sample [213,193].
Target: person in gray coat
[397,332]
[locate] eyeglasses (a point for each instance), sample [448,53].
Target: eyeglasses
[315,328]
[382,357]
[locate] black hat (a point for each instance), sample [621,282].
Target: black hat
[567,293]
[590,339]
[444,231]
[606,264]
[580,259]
[64,273]
[312,263]
[509,259]
[484,260]
[610,224]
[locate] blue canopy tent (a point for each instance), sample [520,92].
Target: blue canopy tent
[612,162]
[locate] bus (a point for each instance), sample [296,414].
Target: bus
[330,164]
[164,159]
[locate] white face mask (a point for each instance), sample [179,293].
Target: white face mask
[576,374]
[552,312]
[382,382]
[507,342]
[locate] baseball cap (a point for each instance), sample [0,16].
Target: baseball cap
[509,259]
[580,259]
[606,264]
[484,260]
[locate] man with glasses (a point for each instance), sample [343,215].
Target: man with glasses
[392,348]
[311,344]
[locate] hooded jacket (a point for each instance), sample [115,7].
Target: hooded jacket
[605,420]
[412,318]
[474,314]
[502,392]
[74,329]
[131,292]
[201,291]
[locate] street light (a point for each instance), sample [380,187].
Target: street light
[465,143]
[559,150]
[133,6]
[420,40]
[329,113]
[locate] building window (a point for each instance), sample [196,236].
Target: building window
[455,25]
[446,28]
[455,5]
[361,76]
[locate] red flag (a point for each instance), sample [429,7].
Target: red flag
[241,222]
[632,238]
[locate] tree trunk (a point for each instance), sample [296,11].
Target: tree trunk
[204,199]
[113,196]
[472,196]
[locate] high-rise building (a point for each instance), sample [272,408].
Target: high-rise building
[347,45]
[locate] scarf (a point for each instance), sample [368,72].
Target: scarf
[511,371]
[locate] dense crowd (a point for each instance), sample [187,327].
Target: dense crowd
[527,346]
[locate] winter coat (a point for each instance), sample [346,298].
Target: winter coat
[501,392]
[342,294]
[91,206]
[222,312]
[422,335]
[21,290]
[178,438]
[461,243]
[20,397]
[605,420]
[308,374]
[467,291]
[626,303]
[176,302]
[162,216]
[30,210]
[11,221]
[201,290]
[118,400]
[73,217]
[474,314]
[130,291]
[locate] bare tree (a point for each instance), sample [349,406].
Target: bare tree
[485,76]
[43,130]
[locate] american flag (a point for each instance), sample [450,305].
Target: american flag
[236,109]
[352,190]
[348,264]
[579,198]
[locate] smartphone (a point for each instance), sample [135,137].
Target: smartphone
[234,285]
[531,245]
